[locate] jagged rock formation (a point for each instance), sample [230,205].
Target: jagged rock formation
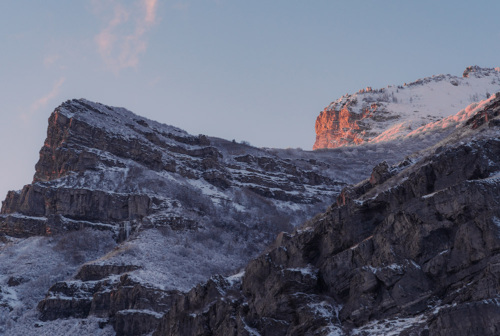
[110,166]
[131,307]
[163,194]
[414,250]
[378,115]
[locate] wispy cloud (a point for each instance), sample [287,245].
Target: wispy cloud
[50,60]
[151,6]
[123,39]
[43,101]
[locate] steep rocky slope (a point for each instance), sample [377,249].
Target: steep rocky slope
[413,250]
[115,168]
[124,213]
[374,115]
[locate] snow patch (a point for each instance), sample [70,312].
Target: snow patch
[236,278]
[392,327]
[251,331]
[309,270]
[141,311]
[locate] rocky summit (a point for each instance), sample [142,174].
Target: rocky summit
[108,168]
[133,227]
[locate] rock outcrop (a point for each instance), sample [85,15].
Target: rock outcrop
[108,292]
[477,71]
[108,168]
[372,115]
[414,250]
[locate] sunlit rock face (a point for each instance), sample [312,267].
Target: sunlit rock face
[343,127]
[375,115]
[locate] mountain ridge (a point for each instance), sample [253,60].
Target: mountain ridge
[127,218]
[171,209]
[374,115]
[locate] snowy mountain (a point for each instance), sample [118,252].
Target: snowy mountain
[375,115]
[116,194]
[132,227]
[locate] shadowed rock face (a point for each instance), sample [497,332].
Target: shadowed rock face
[414,249]
[132,308]
[108,168]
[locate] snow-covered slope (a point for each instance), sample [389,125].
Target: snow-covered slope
[375,115]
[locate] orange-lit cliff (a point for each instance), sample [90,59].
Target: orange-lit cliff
[335,128]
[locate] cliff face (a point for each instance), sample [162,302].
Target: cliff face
[106,166]
[393,112]
[414,250]
[343,127]
[179,207]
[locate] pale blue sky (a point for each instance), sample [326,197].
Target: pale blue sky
[259,71]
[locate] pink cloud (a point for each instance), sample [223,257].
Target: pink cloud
[50,60]
[123,40]
[42,102]
[150,6]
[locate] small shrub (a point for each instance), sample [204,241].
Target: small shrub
[83,245]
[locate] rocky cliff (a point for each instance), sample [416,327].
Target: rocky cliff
[413,250]
[158,191]
[179,208]
[373,115]
[128,222]
[107,167]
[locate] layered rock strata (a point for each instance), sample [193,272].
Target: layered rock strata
[108,168]
[107,292]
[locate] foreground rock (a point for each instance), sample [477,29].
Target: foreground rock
[412,251]
[130,307]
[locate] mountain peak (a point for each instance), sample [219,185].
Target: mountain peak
[477,71]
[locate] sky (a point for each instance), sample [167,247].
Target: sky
[256,71]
